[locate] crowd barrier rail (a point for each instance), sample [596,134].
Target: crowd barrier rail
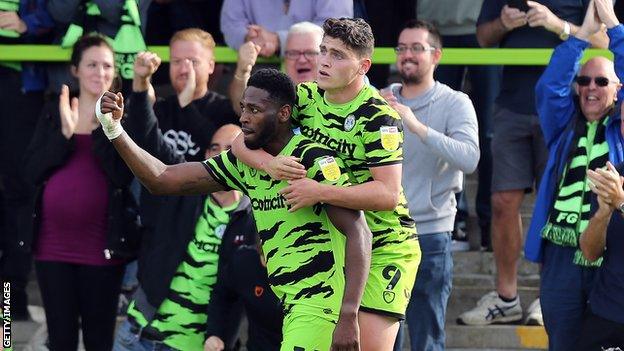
[381,55]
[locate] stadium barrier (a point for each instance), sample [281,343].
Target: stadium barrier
[451,56]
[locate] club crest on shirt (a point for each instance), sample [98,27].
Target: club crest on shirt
[388,296]
[389,137]
[219,231]
[329,168]
[349,123]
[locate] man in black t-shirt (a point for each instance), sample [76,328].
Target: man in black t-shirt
[187,119]
[518,150]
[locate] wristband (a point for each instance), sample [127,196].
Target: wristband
[112,128]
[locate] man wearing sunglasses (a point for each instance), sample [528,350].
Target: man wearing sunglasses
[582,131]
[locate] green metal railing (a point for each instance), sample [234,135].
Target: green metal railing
[451,56]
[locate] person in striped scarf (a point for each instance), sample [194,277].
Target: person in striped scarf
[582,131]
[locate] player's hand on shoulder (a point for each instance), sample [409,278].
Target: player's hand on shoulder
[285,168]
[214,343]
[404,111]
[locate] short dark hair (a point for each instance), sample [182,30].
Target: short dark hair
[280,87]
[435,39]
[85,43]
[355,33]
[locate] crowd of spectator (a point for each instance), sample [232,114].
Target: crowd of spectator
[69,204]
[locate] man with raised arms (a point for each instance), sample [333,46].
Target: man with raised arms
[317,276]
[345,114]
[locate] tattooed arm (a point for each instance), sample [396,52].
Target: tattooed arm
[180,179]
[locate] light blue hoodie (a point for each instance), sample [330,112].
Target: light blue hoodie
[433,167]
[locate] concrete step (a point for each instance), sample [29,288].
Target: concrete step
[496,337]
[531,280]
[464,298]
[476,262]
[29,336]
[21,333]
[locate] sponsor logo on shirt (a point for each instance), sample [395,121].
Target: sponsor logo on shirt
[205,246]
[268,204]
[341,146]
[329,168]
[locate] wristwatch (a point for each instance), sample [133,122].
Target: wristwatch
[621,208]
[566,31]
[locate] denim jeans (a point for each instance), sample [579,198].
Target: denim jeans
[130,280]
[426,311]
[126,340]
[564,291]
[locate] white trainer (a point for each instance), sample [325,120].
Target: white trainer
[534,313]
[491,309]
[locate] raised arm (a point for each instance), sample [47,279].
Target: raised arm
[357,264]
[553,92]
[540,16]
[247,55]
[186,178]
[616,37]
[141,123]
[158,178]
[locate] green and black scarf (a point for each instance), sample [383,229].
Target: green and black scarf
[127,42]
[570,213]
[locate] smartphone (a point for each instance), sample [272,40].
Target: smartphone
[519,4]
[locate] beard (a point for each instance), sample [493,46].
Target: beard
[267,134]
[415,77]
[410,79]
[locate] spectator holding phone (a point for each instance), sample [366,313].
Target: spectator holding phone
[519,152]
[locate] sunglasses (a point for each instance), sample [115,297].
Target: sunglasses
[586,80]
